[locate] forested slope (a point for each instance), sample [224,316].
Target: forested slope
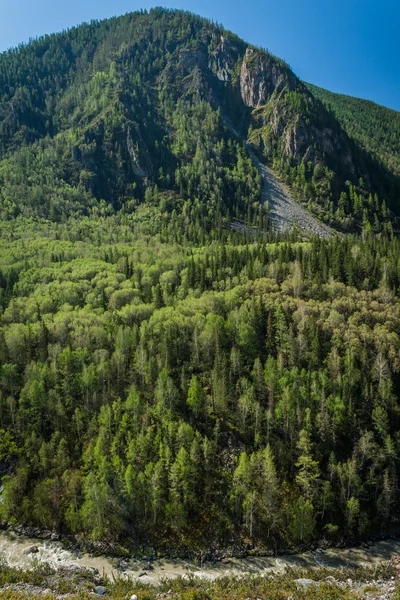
[165,380]
[135,105]
[374,127]
[183,393]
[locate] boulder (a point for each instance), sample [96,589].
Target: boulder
[303,584]
[396,562]
[100,590]
[30,550]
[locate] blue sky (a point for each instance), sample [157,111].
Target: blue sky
[347,46]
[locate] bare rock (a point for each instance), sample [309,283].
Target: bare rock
[304,584]
[260,76]
[30,550]
[223,59]
[100,590]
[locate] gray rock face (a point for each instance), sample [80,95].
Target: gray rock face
[298,138]
[141,165]
[189,65]
[301,141]
[260,76]
[222,60]
[266,81]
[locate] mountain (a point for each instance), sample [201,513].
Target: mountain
[375,128]
[137,105]
[191,362]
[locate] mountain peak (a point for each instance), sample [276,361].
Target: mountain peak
[106,94]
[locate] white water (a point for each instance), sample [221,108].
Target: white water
[13,551]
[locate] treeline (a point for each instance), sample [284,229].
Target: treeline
[166,391]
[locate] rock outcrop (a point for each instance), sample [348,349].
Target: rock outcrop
[261,75]
[141,164]
[223,59]
[287,116]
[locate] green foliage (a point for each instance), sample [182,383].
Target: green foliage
[104,126]
[374,127]
[164,378]
[256,390]
[325,161]
[134,110]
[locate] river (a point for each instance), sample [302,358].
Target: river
[16,552]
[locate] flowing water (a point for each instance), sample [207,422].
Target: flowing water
[16,551]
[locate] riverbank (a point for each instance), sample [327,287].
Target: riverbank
[379,582]
[28,555]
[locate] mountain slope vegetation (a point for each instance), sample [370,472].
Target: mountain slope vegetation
[166,381]
[182,393]
[114,109]
[374,127]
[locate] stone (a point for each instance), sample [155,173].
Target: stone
[260,75]
[30,550]
[303,584]
[133,597]
[100,590]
